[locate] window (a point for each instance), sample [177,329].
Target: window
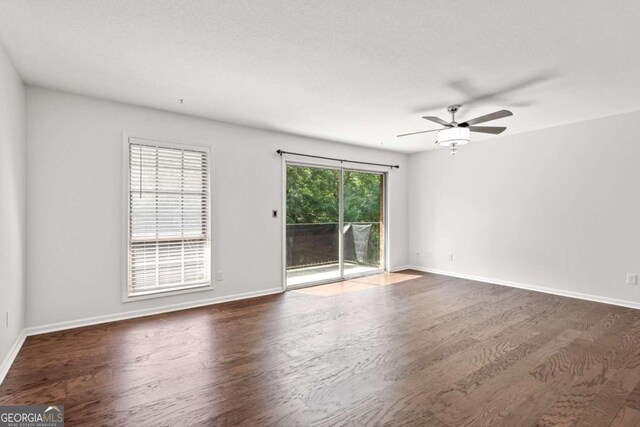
[169,229]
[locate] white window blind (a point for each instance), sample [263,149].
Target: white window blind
[169,230]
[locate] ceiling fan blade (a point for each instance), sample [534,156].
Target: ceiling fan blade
[415,133]
[437,120]
[495,130]
[486,118]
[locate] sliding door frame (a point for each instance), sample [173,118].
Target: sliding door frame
[383,172]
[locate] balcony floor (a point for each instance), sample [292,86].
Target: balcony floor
[300,276]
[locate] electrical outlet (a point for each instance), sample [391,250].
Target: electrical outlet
[220,276]
[632,279]
[451,257]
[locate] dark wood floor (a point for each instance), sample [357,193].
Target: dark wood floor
[428,351]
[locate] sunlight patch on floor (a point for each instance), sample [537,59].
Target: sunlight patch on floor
[357,284]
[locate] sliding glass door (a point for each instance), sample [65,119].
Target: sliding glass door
[334,224]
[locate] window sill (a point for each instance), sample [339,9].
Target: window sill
[168,293]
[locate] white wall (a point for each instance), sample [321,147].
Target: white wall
[12,205]
[556,208]
[75,236]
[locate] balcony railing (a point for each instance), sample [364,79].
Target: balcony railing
[318,244]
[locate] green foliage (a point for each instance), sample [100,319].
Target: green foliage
[362,192]
[313,196]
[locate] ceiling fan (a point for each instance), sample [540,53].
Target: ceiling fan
[454,134]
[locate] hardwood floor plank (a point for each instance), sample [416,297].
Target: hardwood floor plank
[401,349]
[626,417]
[488,395]
[593,369]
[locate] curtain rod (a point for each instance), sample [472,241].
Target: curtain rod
[281,152]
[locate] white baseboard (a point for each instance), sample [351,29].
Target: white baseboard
[570,294]
[11,356]
[400,268]
[53,327]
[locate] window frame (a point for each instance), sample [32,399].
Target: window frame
[128,139]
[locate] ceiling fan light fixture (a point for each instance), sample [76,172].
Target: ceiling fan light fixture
[455,134]
[453,137]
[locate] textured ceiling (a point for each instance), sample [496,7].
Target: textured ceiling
[355,71]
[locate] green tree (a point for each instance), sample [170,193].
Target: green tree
[313,195]
[362,192]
